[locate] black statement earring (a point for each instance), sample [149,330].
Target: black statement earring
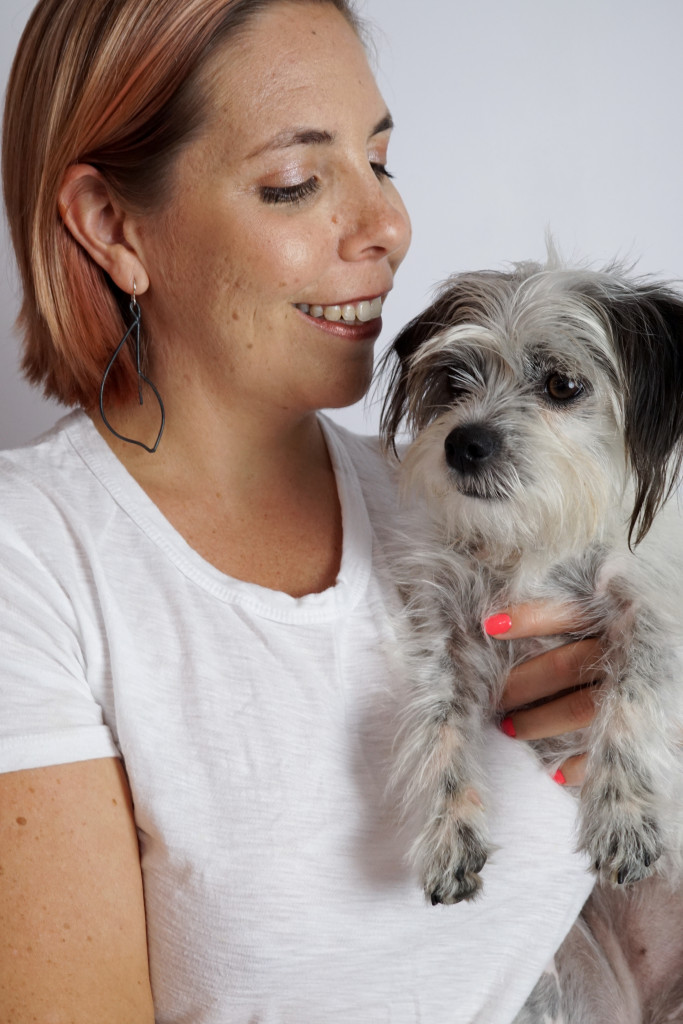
[135,326]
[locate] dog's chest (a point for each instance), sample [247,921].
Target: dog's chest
[469,591]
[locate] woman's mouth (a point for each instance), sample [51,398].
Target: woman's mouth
[353,321]
[347,312]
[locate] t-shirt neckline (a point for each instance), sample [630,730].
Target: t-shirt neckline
[355,568]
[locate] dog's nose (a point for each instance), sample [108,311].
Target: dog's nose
[468,448]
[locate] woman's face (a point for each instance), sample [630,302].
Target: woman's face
[282,205]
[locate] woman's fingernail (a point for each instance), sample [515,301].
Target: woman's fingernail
[559,778]
[508,727]
[497,624]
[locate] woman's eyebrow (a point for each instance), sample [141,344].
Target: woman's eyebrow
[294,137]
[312,137]
[385,125]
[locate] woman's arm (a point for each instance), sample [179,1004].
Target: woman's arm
[72,923]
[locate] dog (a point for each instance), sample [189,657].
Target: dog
[546,409]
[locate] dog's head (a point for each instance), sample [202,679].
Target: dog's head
[540,399]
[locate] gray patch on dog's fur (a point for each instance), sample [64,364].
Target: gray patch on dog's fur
[543,1005]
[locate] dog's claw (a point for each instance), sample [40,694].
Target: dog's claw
[468,887]
[623,852]
[451,874]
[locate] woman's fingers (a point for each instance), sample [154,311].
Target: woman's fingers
[573,771]
[572,711]
[536,618]
[564,667]
[566,670]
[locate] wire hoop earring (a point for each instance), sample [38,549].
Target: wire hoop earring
[134,327]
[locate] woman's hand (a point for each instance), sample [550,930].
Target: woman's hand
[554,672]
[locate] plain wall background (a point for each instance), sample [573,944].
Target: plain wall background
[513,117]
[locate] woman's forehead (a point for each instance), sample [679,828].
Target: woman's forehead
[295,68]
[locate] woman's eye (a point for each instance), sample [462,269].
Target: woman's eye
[289,193]
[563,388]
[380,170]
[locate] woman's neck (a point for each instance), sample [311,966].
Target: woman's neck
[255,495]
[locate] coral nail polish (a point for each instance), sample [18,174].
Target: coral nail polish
[497,624]
[559,778]
[508,727]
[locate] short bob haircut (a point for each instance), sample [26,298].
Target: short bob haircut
[115,84]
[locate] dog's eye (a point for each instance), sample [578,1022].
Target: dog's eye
[562,388]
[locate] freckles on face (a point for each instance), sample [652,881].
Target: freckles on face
[281,202]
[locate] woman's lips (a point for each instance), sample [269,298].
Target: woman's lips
[357,320]
[355,331]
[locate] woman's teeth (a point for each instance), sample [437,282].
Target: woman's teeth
[362,311]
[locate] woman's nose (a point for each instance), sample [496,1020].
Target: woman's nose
[376,224]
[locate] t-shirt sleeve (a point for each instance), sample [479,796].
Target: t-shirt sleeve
[48,714]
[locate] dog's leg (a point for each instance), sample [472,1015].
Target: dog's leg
[453,844]
[622,962]
[594,980]
[633,754]
[641,933]
[543,1005]
[440,757]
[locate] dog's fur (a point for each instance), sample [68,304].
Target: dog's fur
[546,405]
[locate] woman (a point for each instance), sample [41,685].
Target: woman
[196,626]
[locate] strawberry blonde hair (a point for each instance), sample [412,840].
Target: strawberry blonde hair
[115,84]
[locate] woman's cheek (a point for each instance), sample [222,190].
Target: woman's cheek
[300,261]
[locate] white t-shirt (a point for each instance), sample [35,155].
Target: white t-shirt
[256,730]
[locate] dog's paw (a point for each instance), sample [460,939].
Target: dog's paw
[625,850]
[456,854]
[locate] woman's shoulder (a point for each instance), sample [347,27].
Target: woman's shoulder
[35,459]
[376,468]
[45,487]
[376,471]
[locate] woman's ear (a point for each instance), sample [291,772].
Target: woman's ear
[95,220]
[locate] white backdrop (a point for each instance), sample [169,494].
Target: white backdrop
[513,116]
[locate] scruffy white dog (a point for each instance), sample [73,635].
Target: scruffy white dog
[547,409]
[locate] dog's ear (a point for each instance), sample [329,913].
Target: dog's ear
[646,323]
[420,329]
[463,298]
